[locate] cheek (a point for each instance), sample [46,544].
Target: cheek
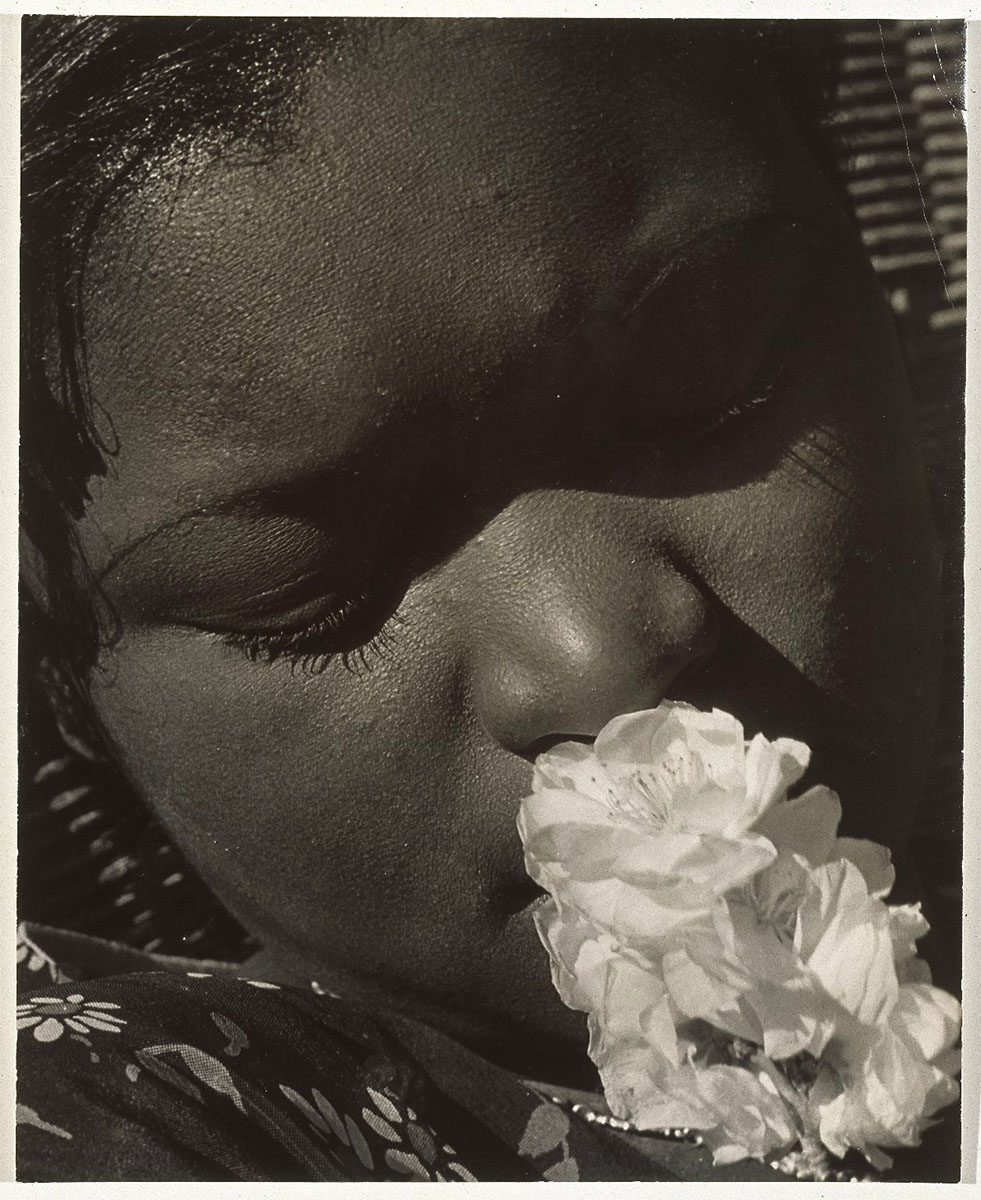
[847,580]
[841,583]
[265,775]
[831,560]
[353,826]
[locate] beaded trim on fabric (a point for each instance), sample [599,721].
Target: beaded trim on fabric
[796,1164]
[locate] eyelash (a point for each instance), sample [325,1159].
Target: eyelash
[310,647]
[701,428]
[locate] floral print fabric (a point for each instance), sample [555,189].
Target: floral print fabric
[50,1016]
[175,1073]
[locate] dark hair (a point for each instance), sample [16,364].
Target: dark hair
[101,97]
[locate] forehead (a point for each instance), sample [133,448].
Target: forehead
[453,194]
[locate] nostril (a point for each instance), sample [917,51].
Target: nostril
[514,897]
[543,744]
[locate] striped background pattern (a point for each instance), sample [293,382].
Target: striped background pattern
[91,860]
[903,155]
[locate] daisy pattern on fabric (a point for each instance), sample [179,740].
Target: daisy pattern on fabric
[49,1016]
[741,971]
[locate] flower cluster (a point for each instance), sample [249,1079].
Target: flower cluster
[741,971]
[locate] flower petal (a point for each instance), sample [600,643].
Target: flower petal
[805,825]
[638,916]
[685,860]
[625,742]
[771,768]
[873,860]
[695,991]
[668,742]
[647,1091]
[582,851]
[549,807]
[845,941]
[926,1017]
[571,767]
[752,1119]
[906,926]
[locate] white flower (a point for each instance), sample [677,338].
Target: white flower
[808,826]
[889,1065]
[657,1069]
[741,971]
[644,830]
[50,1016]
[807,969]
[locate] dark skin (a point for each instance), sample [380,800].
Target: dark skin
[486,348]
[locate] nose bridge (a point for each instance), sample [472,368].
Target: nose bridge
[578,617]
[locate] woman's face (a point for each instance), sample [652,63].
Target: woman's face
[532,383]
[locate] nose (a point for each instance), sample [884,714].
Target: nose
[579,617]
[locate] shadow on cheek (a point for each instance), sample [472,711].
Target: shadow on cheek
[875,766]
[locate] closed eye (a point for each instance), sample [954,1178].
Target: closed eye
[698,428]
[356,631]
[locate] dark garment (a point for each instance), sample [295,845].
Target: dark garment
[136,1067]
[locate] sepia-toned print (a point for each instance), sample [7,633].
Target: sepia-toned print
[491,599]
